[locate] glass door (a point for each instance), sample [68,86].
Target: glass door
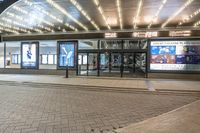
[104,64]
[116,61]
[92,64]
[129,65]
[82,63]
[140,64]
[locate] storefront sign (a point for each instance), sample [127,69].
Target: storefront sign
[111,35]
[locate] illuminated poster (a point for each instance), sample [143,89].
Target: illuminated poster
[29,55]
[67,53]
[175,55]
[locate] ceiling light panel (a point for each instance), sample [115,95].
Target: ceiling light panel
[100,9]
[24,22]
[11,22]
[155,17]
[136,18]
[185,5]
[196,24]
[119,10]
[187,19]
[41,10]
[8,30]
[62,10]
[33,17]
[84,13]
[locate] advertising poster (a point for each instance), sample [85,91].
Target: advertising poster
[29,55]
[175,55]
[67,54]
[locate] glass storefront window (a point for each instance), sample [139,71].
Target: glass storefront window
[13,57]
[1,55]
[48,52]
[130,44]
[111,44]
[88,44]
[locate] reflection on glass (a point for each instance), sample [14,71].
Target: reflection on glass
[116,62]
[88,44]
[92,64]
[111,44]
[82,64]
[104,63]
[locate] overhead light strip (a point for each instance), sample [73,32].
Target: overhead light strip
[62,10]
[34,16]
[136,18]
[8,28]
[96,2]
[19,18]
[49,15]
[155,17]
[80,8]
[196,24]
[186,4]
[119,9]
[7,20]
[195,13]
[31,4]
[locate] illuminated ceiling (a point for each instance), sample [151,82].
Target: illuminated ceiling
[74,16]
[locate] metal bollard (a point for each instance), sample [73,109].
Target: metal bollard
[67,74]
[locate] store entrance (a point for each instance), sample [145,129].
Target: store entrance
[110,64]
[134,65]
[114,64]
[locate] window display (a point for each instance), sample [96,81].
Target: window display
[175,55]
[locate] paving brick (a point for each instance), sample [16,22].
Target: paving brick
[33,109]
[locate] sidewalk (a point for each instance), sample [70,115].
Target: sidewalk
[183,120]
[128,83]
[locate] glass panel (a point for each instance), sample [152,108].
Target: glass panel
[1,55]
[47,51]
[140,63]
[82,64]
[50,59]
[104,63]
[130,44]
[13,54]
[88,44]
[44,59]
[115,63]
[92,64]
[129,64]
[111,44]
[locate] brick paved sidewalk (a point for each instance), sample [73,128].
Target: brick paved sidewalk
[143,84]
